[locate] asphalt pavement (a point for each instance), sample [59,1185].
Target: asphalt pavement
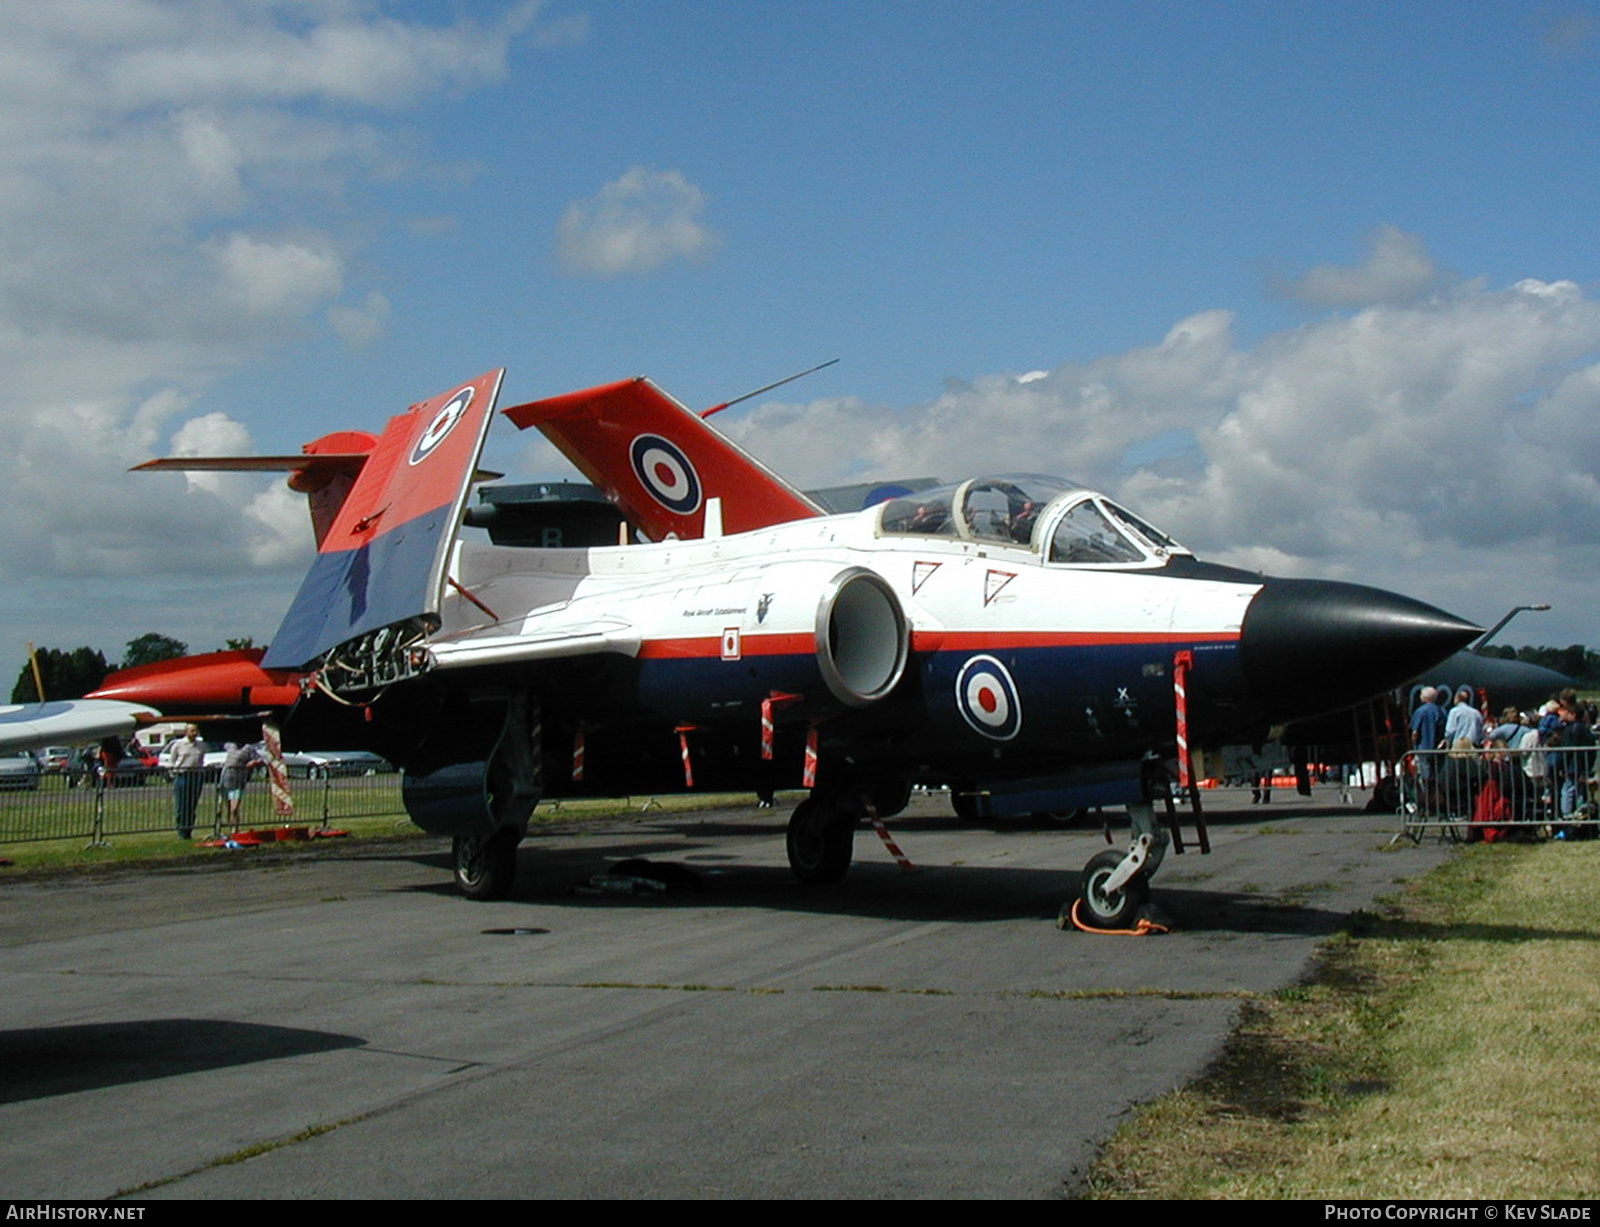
[344,1025]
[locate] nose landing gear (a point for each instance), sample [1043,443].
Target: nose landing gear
[1115,889]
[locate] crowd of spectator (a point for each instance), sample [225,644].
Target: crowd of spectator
[1508,776]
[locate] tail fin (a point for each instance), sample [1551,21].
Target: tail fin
[327,487]
[659,462]
[382,560]
[324,472]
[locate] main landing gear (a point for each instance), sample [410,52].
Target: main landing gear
[822,829]
[486,867]
[821,839]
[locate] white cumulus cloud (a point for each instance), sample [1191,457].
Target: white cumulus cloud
[213,434]
[166,171]
[282,278]
[1447,447]
[1397,269]
[360,325]
[636,224]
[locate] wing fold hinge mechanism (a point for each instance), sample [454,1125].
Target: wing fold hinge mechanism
[377,659]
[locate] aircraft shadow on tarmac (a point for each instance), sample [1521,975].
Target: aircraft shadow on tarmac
[712,874]
[40,1062]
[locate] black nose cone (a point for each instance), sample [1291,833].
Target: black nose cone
[1309,645]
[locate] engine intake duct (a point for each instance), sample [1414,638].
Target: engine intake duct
[861,637]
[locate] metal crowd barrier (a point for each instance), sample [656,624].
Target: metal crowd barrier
[1538,793]
[139,800]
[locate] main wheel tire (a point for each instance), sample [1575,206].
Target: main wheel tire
[821,842]
[486,868]
[1119,909]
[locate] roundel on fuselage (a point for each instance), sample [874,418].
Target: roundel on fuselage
[665,473]
[443,423]
[988,698]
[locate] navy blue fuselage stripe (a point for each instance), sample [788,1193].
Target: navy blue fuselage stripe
[1072,695]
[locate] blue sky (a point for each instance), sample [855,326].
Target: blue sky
[1311,286]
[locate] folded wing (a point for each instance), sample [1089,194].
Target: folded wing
[382,563]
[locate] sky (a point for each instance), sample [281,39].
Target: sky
[1315,288]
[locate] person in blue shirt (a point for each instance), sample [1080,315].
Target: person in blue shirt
[1427,734]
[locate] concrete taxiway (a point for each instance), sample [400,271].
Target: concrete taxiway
[345,1025]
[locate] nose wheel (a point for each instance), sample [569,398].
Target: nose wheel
[1114,893]
[1102,905]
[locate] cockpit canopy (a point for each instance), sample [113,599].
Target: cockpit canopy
[1056,519]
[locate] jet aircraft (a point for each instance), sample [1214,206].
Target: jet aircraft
[1020,638]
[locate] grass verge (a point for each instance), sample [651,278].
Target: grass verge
[1445,1047]
[66,855]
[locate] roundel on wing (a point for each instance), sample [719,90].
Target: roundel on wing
[665,473]
[443,423]
[988,698]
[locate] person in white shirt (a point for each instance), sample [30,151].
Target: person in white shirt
[185,763]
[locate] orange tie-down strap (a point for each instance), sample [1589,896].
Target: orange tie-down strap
[1144,928]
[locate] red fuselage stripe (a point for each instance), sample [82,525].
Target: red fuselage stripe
[930,641]
[749,645]
[967,641]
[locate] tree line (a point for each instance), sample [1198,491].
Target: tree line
[72,673]
[1576,661]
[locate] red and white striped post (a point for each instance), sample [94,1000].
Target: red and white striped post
[277,772]
[900,858]
[683,746]
[770,704]
[1181,664]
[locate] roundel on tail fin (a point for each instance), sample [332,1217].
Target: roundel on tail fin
[442,424]
[666,473]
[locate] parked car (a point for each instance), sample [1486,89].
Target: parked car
[57,759]
[19,770]
[87,766]
[325,764]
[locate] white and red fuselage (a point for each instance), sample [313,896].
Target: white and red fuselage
[1016,633]
[970,635]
